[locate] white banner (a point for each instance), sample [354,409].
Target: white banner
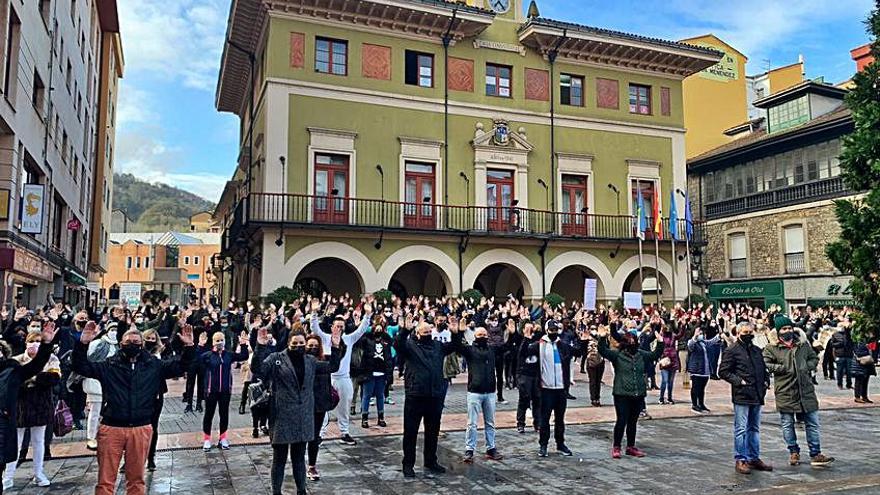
[130,293]
[632,300]
[32,208]
[590,294]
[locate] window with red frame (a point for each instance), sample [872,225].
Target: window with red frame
[498,80]
[640,99]
[331,56]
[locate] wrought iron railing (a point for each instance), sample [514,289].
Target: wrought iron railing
[786,196]
[298,209]
[794,263]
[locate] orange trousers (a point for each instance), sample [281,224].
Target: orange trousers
[112,442]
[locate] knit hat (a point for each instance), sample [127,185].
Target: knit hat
[782,321]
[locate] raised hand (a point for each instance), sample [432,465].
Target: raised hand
[89,332]
[316,305]
[603,331]
[49,330]
[186,335]
[203,339]
[335,339]
[243,338]
[263,336]
[368,309]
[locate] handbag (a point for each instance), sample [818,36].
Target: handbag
[258,395]
[63,420]
[665,362]
[866,360]
[334,397]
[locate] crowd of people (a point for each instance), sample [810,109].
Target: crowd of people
[314,357]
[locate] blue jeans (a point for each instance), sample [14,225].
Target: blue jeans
[477,403]
[373,387]
[667,380]
[746,432]
[811,425]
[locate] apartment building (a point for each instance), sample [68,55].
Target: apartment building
[51,56]
[430,147]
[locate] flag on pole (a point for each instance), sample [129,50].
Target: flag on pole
[640,216]
[673,217]
[688,218]
[658,221]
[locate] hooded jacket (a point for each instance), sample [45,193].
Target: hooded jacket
[792,368]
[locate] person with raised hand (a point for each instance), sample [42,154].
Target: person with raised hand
[131,380]
[217,365]
[341,378]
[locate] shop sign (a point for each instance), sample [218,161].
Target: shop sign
[835,290]
[75,278]
[130,293]
[746,290]
[32,209]
[831,301]
[25,263]
[74,224]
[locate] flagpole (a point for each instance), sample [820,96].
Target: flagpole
[674,269]
[657,266]
[687,242]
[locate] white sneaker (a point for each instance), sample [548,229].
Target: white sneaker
[224,444]
[7,484]
[207,446]
[41,480]
[92,445]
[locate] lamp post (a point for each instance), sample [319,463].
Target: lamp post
[617,192]
[467,188]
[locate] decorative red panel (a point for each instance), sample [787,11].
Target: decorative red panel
[461,74]
[537,84]
[376,61]
[607,93]
[297,50]
[665,102]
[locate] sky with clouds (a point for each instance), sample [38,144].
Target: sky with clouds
[168,130]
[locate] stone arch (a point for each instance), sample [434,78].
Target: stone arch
[529,275]
[586,260]
[631,265]
[428,254]
[361,265]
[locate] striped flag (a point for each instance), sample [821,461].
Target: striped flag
[658,221]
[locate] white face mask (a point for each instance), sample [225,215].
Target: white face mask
[33,346]
[111,335]
[220,345]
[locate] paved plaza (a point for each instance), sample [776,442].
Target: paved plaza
[687,453]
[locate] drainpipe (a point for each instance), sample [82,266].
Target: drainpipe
[551,55]
[447,39]
[542,251]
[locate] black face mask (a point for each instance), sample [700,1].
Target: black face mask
[481,341]
[425,338]
[151,346]
[553,336]
[788,336]
[297,352]
[746,339]
[314,352]
[130,351]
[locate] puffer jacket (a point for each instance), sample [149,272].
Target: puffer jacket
[860,370]
[792,370]
[745,363]
[629,369]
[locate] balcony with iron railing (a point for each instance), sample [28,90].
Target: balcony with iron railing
[795,263]
[263,209]
[775,198]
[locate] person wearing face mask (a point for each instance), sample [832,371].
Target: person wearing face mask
[595,366]
[376,365]
[153,346]
[425,390]
[35,408]
[480,391]
[216,364]
[291,374]
[629,386]
[551,353]
[131,380]
[699,367]
[342,377]
[100,350]
[529,380]
[669,362]
[791,361]
[324,399]
[743,367]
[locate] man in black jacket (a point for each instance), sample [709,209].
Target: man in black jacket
[528,382]
[481,361]
[842,344]
[130,380]
[742,365]
[425,391]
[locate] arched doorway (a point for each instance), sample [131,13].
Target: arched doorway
[332,275]
[569,283]
[418,278]
[500,280]
[647,284]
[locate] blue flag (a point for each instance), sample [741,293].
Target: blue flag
[642,218]
[688,218]
[673,216]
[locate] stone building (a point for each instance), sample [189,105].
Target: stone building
[767,199]
[429,147]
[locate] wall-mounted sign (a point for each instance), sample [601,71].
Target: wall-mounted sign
[727,69]
[24,263]
[74,224]
[32,208]
[497,45]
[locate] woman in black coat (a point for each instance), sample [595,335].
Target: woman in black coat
[324,399]
[862,369]
[291,376]
[12,374]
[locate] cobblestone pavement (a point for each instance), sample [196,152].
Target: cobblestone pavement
[685,456]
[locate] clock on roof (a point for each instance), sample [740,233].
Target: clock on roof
[499,6]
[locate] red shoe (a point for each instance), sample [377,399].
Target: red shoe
[615,452]
[635,452]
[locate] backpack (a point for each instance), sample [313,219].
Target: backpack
[63,420]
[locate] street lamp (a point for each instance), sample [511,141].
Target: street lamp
[547,190]
[617,192]
[467,188]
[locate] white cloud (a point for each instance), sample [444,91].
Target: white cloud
[134,106]
[179,40]
[143,154]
